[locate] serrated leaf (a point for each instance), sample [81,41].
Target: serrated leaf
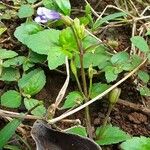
[31,1]
[51,4]
[64,5]
[136,143]
[7,132]
[144,76]
[27,65]
[104,64]
[32,82]
[93,58]
[10,74]
[140,43]
[89,40]
[111,135]
[73,99]
[5,54]
[120,57]
[145,91]
[38,111]
[25,11]
[37,58]
[98,88]
[110,17]
[135,61]
[11,99]
[78,130]
[110,73]
[17,61]
[67,40]
[25,30]
[43,41]
[55,57]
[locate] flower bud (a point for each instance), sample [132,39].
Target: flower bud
[91,72]
[114,95]
[73,67]
[80,29]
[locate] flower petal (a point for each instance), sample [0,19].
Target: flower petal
[39,19]
[45,14]
[52,15]
[42,10]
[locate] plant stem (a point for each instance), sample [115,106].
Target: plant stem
[105,121]
[107,115]
[90,87]
[54,120]
[1,67]
[79,85]
[87,115]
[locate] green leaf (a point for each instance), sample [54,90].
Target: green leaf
[38,111]
[110,73]
[73,99]
[67,40]
[25,11]
[136,143]
[37,58]
[17,61]
[111,135]
[120,57]
[78,130]
[64,5]
[10,74]
[145,91]
[32,82]
[11,147]
[148,32]
[93,58]
[55,57]
[131,64]
[140,43]
[11,99]
[144,76]
[98,88]
[104,64]
[51,4]
[5,54]
[135,62]
[25,30]
[2,29]
[110,17]
[89,40]
[31,1]
[43,41]
[7,132]
[27,65]
[9,14]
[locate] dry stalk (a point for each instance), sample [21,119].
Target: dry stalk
[52,121]
[5,113]
[64,87]
[93,11]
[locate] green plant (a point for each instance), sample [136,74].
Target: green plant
[88,57]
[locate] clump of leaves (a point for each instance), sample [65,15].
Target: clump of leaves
[48,45]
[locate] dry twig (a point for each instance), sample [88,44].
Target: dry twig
[52,121]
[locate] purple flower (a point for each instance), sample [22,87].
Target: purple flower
[45,14]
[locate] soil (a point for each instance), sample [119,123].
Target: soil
[130,120]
